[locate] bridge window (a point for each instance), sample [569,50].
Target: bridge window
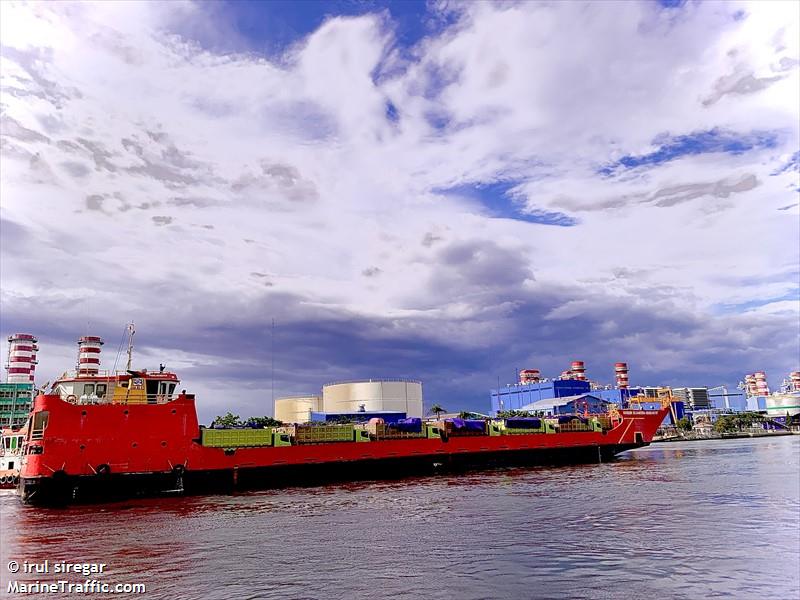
[40,420]
[151,388]
[101,389]
[88,389]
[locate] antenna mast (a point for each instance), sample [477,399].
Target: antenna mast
[131,331]
[272,361]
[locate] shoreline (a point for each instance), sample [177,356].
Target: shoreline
[726,436]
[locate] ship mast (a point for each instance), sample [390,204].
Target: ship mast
[131,331]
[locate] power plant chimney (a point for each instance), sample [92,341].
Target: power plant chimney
[89,355]
[21,358]
[621,373]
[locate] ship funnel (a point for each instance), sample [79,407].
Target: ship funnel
[89,355]
[621,373]
[21,358]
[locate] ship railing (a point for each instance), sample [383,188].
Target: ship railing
[147,399]
[158,398]
[107,374]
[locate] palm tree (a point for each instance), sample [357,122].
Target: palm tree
[437,410]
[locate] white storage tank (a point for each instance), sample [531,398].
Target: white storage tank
[373,395]
[296,409]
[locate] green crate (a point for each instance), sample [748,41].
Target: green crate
[314,434]
[236,438]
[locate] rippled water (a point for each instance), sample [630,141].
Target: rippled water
[688,520]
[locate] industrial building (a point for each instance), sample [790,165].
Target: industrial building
[563,405]
[16,394]
[15,403]
[693,398]
[531,388]
[364,398]
[723,399]
[786,401]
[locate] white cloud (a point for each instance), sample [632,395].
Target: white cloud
[142,163]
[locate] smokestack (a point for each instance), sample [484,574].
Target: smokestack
[21,358]
[578,370]
[89,355]
[621,373]
[529,376]
[762,389]
[794,381]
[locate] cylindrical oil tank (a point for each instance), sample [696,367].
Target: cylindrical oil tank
[373,395]
[778,405]
[296,409]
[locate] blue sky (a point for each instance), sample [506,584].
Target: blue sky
[441,191]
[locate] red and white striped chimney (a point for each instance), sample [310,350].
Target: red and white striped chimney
[762,389]
[529,376]
[21,358]
[89,355]
[621,373]
[578,370]
[794,381]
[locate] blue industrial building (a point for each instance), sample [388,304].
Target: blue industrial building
[514,397]
[569,405]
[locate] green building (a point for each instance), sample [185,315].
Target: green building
[15,403]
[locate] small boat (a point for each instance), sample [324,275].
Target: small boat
[11,442]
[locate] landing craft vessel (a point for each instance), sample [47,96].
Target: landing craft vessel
[109,435]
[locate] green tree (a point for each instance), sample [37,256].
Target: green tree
[685,424]
[436,409]
[229,420]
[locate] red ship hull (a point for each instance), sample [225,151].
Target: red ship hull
[89,452]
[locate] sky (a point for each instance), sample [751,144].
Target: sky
[442,191]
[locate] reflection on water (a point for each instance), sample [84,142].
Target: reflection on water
[684,520]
